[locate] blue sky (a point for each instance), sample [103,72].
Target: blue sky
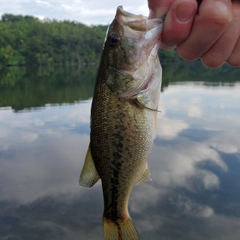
[88,11]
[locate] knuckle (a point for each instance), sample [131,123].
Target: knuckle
[221,22]
[220,12]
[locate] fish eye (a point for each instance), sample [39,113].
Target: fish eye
[114,40]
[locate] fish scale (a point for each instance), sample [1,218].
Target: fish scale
[123,117]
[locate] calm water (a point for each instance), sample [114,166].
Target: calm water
[195,161]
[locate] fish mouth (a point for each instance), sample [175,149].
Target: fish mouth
[127,17]
[141,37]
[138,22]
[143,32]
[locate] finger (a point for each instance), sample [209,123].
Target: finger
[178,22]
[213,19]
[159,8]
[234,58]
[220,52]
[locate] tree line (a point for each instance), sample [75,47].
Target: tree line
[26,40]
[29,87]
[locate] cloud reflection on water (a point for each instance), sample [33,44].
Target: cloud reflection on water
[179,165]
[40,152]
[192,165]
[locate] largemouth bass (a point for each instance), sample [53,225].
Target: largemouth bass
[123,117]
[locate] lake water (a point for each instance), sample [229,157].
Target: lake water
[195,161]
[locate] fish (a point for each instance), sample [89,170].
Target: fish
[123,117]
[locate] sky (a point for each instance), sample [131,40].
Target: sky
[88,11]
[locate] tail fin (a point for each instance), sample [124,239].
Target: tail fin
[122,230]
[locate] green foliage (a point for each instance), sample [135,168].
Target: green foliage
[25,40]
[183,71]
[168,56]
[29,87]
[9,56]
[28,40]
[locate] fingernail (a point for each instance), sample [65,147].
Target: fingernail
[222,5]
[222,8]
[184,12]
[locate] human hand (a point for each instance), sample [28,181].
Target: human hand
[212,34]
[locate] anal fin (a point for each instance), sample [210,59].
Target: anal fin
[146,177]
[89,175]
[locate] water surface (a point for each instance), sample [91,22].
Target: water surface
[195,161]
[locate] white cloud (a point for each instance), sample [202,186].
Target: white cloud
[145,195]
[89,12]
[194,111]
[226,147]
[3,132]
[227,143]
[46,129]
[47,4]
[82,115]
[44,177]
[190,208]
[174,162]
[169,128]
[177,163]
[209,179]
[67,7]
[29,137]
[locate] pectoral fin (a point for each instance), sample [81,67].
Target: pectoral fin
[89,175]
[144,101]
[146,177]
